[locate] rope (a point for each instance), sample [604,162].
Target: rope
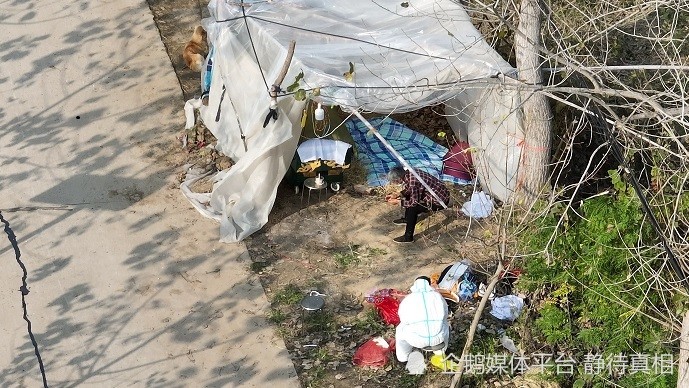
[244,16]
[248,32]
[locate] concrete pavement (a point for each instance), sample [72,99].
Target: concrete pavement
[127,284]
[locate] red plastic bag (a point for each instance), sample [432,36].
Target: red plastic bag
[387,308]
[387,303]
[373,353]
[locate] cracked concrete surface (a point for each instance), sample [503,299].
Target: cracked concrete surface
[128,284]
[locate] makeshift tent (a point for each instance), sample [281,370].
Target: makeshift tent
[379,56]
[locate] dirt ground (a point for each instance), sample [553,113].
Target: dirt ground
[339,244]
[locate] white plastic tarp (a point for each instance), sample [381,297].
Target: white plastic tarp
[490,121]
[404,57]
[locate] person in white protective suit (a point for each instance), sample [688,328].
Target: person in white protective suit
[423,320]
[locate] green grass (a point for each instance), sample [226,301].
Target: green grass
[354,254]
[346,259]
[318,321]
[316,376]
[409,381]
[289,295]
[276,316]
[322,355]
[370,322]
[349,257]
[486,343]
[373,252]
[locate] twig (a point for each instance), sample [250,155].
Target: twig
[275,89]
[472,330]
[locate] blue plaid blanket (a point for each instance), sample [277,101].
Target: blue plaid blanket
[418,150]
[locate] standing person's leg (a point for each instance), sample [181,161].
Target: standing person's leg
[402,220]
[411,216]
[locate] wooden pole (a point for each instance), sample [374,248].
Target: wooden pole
[683,363]
[283,71]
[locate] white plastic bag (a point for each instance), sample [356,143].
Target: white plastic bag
[507,307]
[480,206]
[508,344]
[416,364]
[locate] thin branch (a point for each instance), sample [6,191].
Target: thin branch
[477,315]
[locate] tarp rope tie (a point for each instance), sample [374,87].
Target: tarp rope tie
[222,97]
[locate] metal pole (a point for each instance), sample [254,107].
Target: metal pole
[398,156]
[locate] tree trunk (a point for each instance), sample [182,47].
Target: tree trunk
[683,373]
[535,147]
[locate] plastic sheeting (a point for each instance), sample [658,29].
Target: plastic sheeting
[480,205]
[403,58]
[397,51]
[507,307]
[488,117]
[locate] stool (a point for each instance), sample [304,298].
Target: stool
[426,350]
[434,348]
[313,302]
[313,184]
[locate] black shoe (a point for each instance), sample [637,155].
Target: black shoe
[403,239]
[399,221]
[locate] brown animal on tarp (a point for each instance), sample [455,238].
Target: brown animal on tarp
[195,50]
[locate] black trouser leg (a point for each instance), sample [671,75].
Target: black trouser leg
[411,215]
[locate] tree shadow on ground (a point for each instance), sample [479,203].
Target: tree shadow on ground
[168,321]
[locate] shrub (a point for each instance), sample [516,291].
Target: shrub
[596,268]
